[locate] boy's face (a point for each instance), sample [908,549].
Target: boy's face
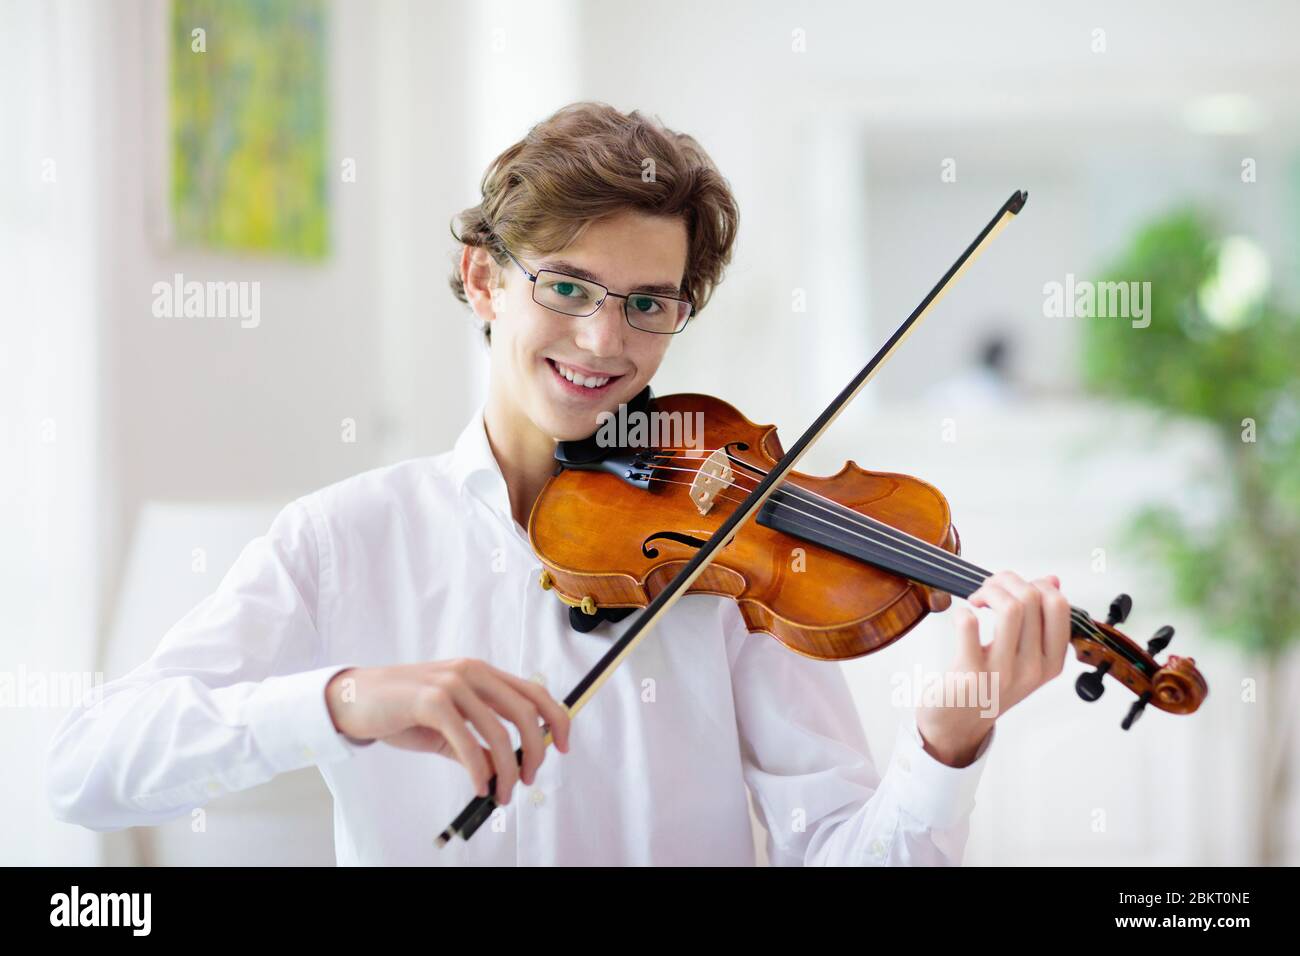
[532,346]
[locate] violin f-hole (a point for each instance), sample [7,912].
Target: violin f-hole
[686,539]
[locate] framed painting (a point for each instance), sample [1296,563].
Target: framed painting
[247,145]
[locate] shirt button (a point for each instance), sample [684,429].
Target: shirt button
[877,848]
[308,753]
[538,679]
[538,798]
[214,787]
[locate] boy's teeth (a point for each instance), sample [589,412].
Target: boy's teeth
[576,379]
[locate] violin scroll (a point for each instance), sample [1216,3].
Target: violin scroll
[1175,687]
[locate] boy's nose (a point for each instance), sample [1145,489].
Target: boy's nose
[601,333]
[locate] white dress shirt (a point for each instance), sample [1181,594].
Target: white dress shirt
[423,560]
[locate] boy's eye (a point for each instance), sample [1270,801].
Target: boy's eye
[644,304]
[567,289]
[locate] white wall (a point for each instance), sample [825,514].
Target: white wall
[52,489]
[205,408]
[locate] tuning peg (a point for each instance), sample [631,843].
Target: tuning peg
[1119,609]
[1089,685]
[1160,640]
[1135,711]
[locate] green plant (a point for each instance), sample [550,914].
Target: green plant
[1220,350]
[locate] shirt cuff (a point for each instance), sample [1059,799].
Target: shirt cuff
[936,794]
[291,723]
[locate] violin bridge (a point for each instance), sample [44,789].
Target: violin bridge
[714,474]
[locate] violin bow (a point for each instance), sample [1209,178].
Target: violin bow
[480,808]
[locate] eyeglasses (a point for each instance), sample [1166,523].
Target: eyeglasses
[573,295]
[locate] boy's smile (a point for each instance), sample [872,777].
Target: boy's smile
[584,383]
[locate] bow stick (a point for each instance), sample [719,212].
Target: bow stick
[479,808]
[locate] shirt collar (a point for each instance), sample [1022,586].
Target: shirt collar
[475,468]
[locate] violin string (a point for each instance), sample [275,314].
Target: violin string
[958,569]
[955,564]
[1078,616]
[921,549]
[958,566]
[839,510]
[962,570]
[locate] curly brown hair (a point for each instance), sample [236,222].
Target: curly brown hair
[587,161]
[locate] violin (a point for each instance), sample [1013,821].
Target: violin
[833,568]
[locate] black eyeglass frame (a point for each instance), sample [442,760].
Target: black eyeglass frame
[532,277]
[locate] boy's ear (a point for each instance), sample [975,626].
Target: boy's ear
[478,273]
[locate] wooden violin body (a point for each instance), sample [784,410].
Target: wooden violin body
[851,610]
[834,568]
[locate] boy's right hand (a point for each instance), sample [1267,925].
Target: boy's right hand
[429,706]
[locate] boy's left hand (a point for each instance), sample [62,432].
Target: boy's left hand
[1028,649]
